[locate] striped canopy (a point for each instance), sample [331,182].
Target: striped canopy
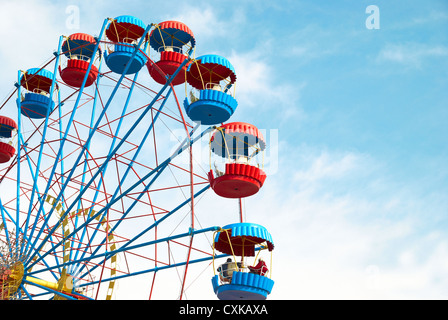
[244,237]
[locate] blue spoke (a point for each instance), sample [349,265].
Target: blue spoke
[19,130]
[85,164]
[27,240]
[88,140]
[22,287]
[123,194]
[75,106]
[159,172]
[156,269]
[28,216]
[129,167]
[36,175]
[155,223]
[5,225]
[112,253]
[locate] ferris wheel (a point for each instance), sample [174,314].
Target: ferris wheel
[98,179]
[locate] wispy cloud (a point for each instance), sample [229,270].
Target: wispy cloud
[260,87]
[203,22]
[412,55]
[326,166]
[345,206]
[209,26]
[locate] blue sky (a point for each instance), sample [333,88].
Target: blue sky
[357,203]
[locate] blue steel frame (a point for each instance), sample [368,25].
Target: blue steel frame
[32,250]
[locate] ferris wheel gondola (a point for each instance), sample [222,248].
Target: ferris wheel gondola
[236,280]
[79,49]
[174,42]
[127,34]
[239,147]
[213,76]
[36,99]
[8,132]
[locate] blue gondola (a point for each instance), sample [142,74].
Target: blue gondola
[236,280]
[125,32]
[36,102]
[213,76]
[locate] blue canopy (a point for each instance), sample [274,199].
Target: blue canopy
[243,238]
[40,72]
[210,68]
[37,78]
[125,27]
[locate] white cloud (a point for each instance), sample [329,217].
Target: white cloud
[411,54]
[346,231]
[257,88]
[29,40]
[253,74]
[258,84]
[327,167]
[207,25]
[203,22]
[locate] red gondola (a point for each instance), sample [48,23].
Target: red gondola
[79,50]
[7,128]
[239,144]
[174,41]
